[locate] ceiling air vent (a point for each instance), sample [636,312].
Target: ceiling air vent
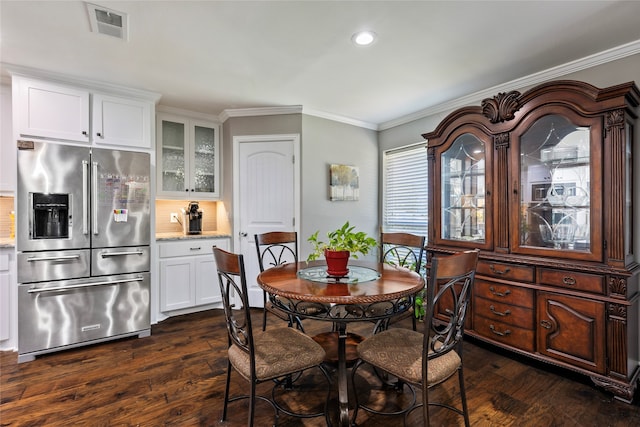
[107,21]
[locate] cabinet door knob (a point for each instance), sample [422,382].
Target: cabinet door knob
[545,324]
[99,134]
[243,234]
[84,132]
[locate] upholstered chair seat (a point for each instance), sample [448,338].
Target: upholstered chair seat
[278,352]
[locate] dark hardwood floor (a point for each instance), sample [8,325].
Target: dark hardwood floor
[176,376]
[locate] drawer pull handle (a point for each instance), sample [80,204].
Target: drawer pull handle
[545,324]
[568,280]
[499,294]
[502,334]
[195,249]
[494,271]
[493,310]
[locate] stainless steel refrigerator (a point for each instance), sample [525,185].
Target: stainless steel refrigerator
[82,236]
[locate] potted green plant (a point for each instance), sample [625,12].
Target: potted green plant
[342,243]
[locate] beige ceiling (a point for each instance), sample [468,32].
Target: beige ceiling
[209,56]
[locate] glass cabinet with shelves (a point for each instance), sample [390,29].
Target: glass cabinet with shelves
[542,182]
[463,190]
[188,157]
[559,158]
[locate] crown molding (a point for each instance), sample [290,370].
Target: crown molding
[338,118]
[610,55]
[181,112]
[259,111]
[19,70]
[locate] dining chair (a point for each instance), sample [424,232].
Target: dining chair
[428,358]
[275,248]
[403,250]
[276,354]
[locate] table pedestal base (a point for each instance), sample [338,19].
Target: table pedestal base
[329,341]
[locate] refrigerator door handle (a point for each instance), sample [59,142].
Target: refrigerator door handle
[94,198]
[85,197]
[110,254]
[53,258]
[83,285]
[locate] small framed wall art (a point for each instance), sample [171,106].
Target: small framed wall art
[344,183]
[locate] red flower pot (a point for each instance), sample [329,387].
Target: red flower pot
[337,262]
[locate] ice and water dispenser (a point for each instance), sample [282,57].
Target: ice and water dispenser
[50,216]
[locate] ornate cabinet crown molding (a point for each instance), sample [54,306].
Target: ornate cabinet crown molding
[501,107]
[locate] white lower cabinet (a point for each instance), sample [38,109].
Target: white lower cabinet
[188,273]
[7,281]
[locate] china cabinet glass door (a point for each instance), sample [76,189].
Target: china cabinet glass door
[463,191]
[556,180]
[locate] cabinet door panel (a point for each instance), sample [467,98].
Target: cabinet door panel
[557,203]
[51,111]
[119,121]
[463,192]
[572,330]
[176,281]
[207,287]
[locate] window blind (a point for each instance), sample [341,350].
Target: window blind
[405,190]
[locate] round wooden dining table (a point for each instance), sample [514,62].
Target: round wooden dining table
[370,292]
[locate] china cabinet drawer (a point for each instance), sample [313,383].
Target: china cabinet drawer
[507,334]
[506,294]
[572,280]
[507,271]
[507,313]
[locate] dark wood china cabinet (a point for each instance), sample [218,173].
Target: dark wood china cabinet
[542,183]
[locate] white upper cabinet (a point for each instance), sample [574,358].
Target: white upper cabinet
[188,157]
[51,111]
[57,111]
[121,121]
[7,144]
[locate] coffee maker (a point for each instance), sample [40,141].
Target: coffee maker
[192,219]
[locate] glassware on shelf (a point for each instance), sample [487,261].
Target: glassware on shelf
[558,234]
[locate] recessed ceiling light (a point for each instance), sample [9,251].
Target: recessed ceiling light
[364,38]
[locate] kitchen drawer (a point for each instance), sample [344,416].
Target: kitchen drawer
[506,313]
[505,271]
[513,336]
[191,247]
[572,280]
[508,294]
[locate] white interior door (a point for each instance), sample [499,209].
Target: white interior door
[266,195]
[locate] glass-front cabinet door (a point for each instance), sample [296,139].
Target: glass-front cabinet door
[188,160]
[464,207]
[205,155]
[558,209]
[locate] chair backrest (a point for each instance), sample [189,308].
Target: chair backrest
[402,249]
[450,281]
[276,247]
[233,287]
